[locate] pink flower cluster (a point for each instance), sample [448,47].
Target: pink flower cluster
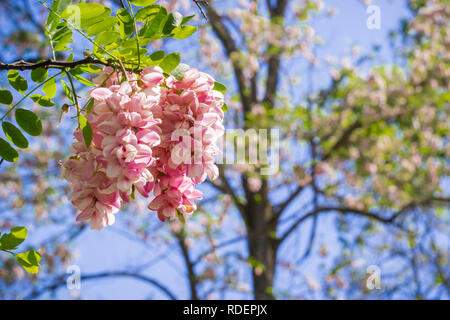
[150,133]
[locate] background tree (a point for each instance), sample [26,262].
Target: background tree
[364,159]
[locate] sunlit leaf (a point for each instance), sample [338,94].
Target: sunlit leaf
[90,68]
[83,15]
[89,106]
[187,19]
[29,261]
[49,88]
[17,81]
[173,20]
[170,62]
[220,87]
[125,23]
[42,100]
[142,3]
[183,32]
[14,135]
[101,26]
[67,91]
[10,241]
[225,108]
[7,152]
[61,38]
[145,13]
[86,129]
[107,37]
[84,81]
[57,7]
[155,25]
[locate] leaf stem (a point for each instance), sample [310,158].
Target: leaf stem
[74,95]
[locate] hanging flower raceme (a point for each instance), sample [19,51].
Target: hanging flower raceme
[150,133]
[191,122]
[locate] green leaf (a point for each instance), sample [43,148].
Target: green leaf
[157,55]
[10,241]
[142,3]
[39,75]
[187,19]
[42,100]
[83,15]
[90,68]
[173,20]
[129,43]
[183,32]
[89,105]
[49,88]
[14,135]
[144,14]
[5,97]
[29,260]
[125,23]
[107,37]
[101,26]
[225,108]
[84,80]
[170,62]
[17,81]
[219,87]
[67,91]
[86,129]
[57,7]
[155,25]
[7,152]
[29,121]
[61,38]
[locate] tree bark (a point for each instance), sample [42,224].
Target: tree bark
[263,249]
[262,245]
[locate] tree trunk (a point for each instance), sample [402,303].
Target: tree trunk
[261,243]
[263,250]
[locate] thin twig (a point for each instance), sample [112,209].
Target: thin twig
[198,4]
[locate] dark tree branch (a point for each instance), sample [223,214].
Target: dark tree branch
[220,245]
[344,138]
[274,60]
[279,9]
[279,209]
[189,265]
[198,4]
[368,214]
[226,188]
[61,281]
[228,43]
[342,210]
[122,4]
[49,64]
[312,236]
